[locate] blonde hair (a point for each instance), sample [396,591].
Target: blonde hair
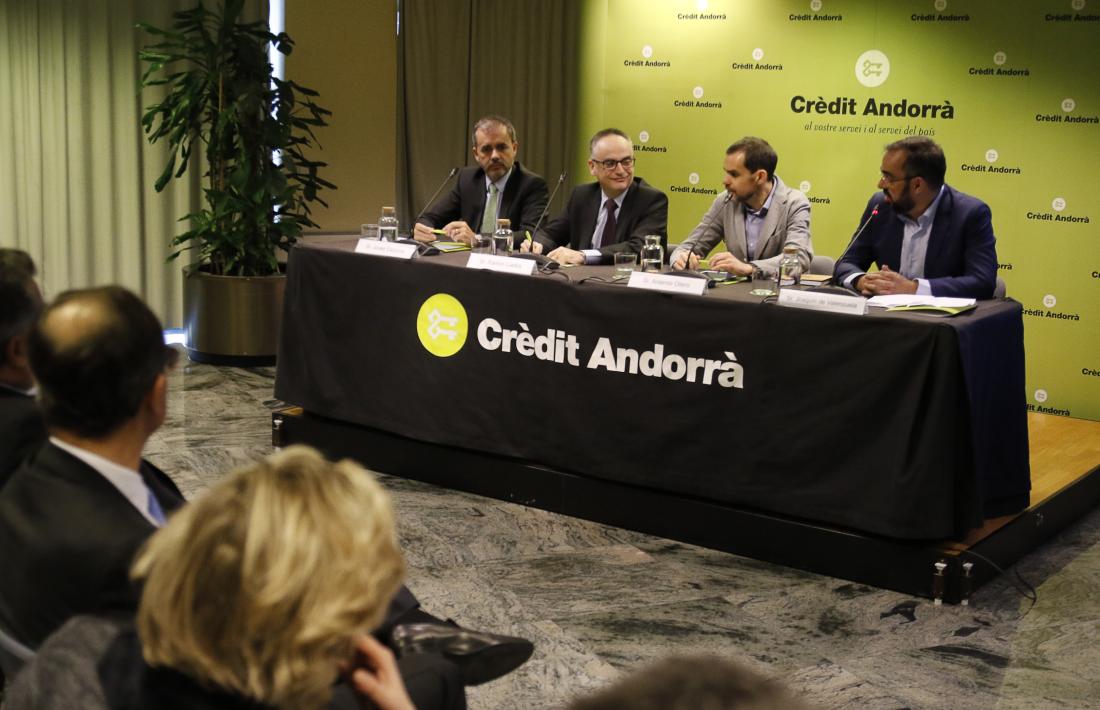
[259,586]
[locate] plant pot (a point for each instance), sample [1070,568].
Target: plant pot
[232,320]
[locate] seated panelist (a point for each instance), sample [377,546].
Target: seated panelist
[611,215]
[926,237]
[756,217]
[499,187]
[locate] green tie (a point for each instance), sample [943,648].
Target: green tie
[489,221]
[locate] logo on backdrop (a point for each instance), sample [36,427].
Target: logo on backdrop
[1058,204]
[872,68]
[1077,6]
[441,325]
[939,6]
[1049,302]
[1068,106]
[991,157]
[999,59]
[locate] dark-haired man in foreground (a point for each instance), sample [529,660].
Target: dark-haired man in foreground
[926,237]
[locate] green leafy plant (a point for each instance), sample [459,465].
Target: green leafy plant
[221,93]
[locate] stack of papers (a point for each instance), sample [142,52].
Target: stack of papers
[908,302]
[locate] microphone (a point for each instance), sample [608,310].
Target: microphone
[707,225]
[862,227]
[542,260]
[454,171]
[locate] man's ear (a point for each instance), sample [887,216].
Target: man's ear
[156,400]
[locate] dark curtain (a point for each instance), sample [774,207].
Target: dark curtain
[461,59]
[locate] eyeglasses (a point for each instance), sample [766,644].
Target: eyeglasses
[610,163]
[888,179]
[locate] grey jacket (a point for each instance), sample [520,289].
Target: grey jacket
[787,222]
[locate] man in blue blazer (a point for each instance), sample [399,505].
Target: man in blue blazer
[926,237]
[499,187]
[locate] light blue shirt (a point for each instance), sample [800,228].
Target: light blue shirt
[592,256]
[914,247]
[754,220]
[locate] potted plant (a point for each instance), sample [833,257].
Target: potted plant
[252,130]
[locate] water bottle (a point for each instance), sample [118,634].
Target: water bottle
[502,238]
[790,270]
[387,225]
[653,254]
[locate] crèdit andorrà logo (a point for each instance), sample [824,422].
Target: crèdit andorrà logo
[442,324]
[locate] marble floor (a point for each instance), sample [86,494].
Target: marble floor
[599,601]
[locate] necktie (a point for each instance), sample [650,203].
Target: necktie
[154,509]
[608,237]
[489,220]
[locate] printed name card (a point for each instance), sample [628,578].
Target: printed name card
[831,302]
[392,250]
[504,264]
[665,282]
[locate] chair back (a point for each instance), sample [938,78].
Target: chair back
[822,265]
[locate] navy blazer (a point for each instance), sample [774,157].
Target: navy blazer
[67,538]
[962,256]
[644,211]
[523,200]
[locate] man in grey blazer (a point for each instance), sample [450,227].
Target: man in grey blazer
[757,217]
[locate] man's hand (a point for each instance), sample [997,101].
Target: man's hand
[686,260]
[885,283]
[459,231]
[423,233]
[530,245]
[565,255]
[374,676]
[724,261]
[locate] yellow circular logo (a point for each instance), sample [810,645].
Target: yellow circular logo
[442,325]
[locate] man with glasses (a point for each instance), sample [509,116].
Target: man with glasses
[756,218]
[22,431]
[499,187]
[613,214]
[926,237]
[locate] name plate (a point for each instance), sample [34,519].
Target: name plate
[831,302]
[664,282]
[505,264]
[378,247]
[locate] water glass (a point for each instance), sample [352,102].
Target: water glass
[625,263]
[368,231]
[763,283]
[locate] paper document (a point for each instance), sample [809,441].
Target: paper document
[906,299]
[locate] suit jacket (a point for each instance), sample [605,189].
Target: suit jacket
[67,538]
[22,431]
[962,255]
[523,200]
[96,663]
[644,211]
[787,222]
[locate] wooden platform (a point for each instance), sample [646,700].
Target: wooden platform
[1065,466]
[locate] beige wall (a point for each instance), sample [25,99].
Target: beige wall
[347,51]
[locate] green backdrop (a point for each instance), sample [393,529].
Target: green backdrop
[1011,90]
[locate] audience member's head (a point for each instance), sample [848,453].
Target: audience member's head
[99,356]
[20,304]
[693,683]
[259,586]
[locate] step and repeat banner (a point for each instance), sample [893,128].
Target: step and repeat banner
[1010,89]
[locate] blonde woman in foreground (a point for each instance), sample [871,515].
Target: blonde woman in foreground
[260,594]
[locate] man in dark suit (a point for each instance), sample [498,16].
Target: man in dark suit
[926,237]
[72,517]
[21,428]
[611,215]
[499,188]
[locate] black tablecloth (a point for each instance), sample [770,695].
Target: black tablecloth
[904,425]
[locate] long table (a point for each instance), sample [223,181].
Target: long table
[901,425]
